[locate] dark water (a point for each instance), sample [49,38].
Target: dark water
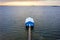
[47,22]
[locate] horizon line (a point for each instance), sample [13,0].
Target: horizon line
[31,3]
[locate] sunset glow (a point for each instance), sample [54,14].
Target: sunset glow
[31,3]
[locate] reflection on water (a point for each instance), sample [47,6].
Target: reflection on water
[47,22]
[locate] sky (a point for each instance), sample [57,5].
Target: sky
[29,2]
[26,0]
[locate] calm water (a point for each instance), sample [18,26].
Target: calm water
[47,22]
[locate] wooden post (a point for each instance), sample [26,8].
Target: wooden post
[29,22]
[29,33]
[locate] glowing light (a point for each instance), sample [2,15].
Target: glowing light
[31,3]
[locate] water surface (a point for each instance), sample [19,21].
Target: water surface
[47,22]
